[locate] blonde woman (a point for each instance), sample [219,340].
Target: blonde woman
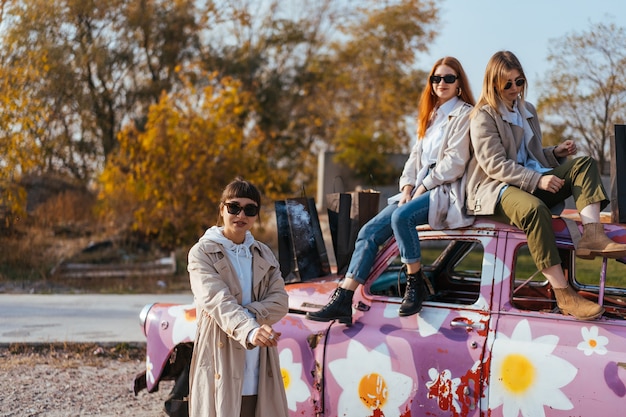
[517,180]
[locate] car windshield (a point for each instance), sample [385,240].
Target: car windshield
[452,266]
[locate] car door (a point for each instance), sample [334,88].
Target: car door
[544,363]
[427,364]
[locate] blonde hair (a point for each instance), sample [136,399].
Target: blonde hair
[428,99]
[496,74]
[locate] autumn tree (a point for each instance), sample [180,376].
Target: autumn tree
[16,154]
[21,120]
[338,74]
[105,62]
[272,48]
[74,72]
[307,63]
[584,92]
[168,177]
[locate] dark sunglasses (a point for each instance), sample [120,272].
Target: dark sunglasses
[249,210]
[448,79]
[519,82]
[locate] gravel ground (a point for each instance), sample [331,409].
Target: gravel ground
[75,380]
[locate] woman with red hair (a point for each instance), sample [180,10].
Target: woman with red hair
[432,191]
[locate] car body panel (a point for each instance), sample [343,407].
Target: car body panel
[166,326]
[486,347]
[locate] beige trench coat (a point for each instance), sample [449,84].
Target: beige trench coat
[217,365]
[446,181]
[495,143]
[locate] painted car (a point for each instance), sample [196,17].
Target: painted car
[489,342]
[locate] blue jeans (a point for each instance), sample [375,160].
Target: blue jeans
[399,221]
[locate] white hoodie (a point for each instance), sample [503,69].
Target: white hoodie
[240,258]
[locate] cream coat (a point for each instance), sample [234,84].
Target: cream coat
[217,365]
[446,181]
[494,164]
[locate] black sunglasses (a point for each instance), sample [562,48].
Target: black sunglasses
[519,82]
[249,210]
[448,79]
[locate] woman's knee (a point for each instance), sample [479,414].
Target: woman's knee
[401,216]
[586,163]
[370,234]
[537,215]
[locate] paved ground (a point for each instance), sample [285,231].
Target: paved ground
[27,318]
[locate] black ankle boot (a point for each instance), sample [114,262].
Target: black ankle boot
[414,294]
[338,308]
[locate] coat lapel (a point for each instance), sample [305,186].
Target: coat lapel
[259,269]
[518,137]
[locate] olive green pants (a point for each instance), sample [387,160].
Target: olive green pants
[531,212]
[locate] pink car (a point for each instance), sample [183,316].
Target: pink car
[490,342]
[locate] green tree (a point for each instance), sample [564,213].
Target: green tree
[584,92]
[375,86]
[326,74]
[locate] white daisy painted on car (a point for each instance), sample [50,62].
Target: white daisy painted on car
[185,323]
[296,389]
[592,341]
[149,369]
[526,376]
[369,384]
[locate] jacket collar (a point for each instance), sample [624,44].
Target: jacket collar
[521,107]
[446,108]
[459,105]
[212,246]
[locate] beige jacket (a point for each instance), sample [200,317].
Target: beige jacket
[217,365]
[494,164]
[446,180]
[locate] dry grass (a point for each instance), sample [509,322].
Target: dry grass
[68,355]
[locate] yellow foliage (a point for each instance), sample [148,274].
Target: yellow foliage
[170,176]
[21,121]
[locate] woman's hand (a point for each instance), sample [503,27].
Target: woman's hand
[551,183]
[406,195]
[266,337]
[420,190]
[565,149]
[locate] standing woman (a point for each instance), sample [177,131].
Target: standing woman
[239,294]
[513,177]
[432,191]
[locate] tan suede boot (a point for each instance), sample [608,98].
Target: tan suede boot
[594,242]
[572,303]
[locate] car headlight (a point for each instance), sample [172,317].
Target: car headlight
[143,316]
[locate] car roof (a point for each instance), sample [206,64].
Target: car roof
[616,231]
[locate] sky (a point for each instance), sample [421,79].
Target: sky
[473,30]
